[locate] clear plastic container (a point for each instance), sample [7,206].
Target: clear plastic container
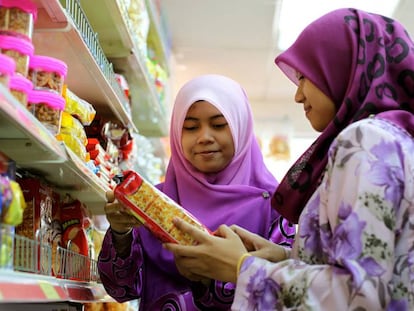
[47,107]
[47,73]
[17,18]
[19,49]
[7,68]
[20,87]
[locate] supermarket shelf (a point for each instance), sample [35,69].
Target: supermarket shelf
[147,111]
[90,74]
[119,45]
[28,287]
[25,140]
[156,37]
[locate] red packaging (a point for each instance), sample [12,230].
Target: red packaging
[155,209]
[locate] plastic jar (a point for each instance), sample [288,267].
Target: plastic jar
[7,68]
[20,87]
[47,73]
[47,107]
[17,17]
[19,49]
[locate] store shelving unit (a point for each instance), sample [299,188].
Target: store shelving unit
[120,46]
[63,31]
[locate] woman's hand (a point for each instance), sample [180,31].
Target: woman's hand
[260,247]
[119,218]
[214,257]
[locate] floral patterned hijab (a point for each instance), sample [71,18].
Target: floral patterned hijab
[364,62]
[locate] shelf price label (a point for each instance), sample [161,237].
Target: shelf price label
[50,291]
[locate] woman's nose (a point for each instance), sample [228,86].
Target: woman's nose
[205,135]
[299,97]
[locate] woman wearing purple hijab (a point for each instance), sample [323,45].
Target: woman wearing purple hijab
[352,191]
[216,171]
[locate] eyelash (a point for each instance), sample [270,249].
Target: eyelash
[216,126]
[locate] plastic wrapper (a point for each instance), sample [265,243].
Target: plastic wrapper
[155,210]
[72,126]
[78,107]
[74,144]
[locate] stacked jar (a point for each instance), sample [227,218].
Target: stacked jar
[17,20]
[46,102]
[7,68]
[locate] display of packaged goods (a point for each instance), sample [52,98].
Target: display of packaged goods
[74,144]
[75,223]
[40,223]
[154,209]
[20,50]
[72,126]
[47,107]
[7,68]
[17,18]
[20,88]
[47,73]
[78,107]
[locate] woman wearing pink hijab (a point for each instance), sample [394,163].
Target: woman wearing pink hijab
[216,172]
[352,191]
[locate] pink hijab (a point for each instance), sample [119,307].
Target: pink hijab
[365,63]
[237,194]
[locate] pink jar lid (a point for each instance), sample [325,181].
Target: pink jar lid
[18,44]
[48,63]
[7,64]
[53,100]
[24,5]
[20,83]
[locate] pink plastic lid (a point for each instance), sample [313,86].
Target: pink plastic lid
[7,64]
[48,63]
[24,5]
[20,83]
[53,100]
[18,44]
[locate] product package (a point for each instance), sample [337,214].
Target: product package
[154,209]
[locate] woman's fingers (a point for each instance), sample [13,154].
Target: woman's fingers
[195,232]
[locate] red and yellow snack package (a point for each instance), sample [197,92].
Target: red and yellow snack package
[155,209]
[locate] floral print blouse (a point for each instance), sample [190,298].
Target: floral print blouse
[354,249]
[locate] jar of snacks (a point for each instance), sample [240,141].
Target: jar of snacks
[17,18]
[7,68]
[47,73]
[47,107]
[20,87]
[19,49]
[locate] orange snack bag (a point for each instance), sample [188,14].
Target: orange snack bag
[154,209]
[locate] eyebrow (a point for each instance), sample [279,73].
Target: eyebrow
[211,118]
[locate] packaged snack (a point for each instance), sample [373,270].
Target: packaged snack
[78,107]
[47,107]
[47,73]
[72,126]
[20,87]
[20,50]
[7,68]
[154,209]
[17,18]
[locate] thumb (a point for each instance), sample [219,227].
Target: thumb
[110,196]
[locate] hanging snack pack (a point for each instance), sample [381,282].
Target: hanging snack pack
[155,209]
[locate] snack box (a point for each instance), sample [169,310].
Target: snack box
[155,209]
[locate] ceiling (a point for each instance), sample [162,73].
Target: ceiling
[237,38]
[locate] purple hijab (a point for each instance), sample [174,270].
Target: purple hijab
[239,194]
[364,62]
